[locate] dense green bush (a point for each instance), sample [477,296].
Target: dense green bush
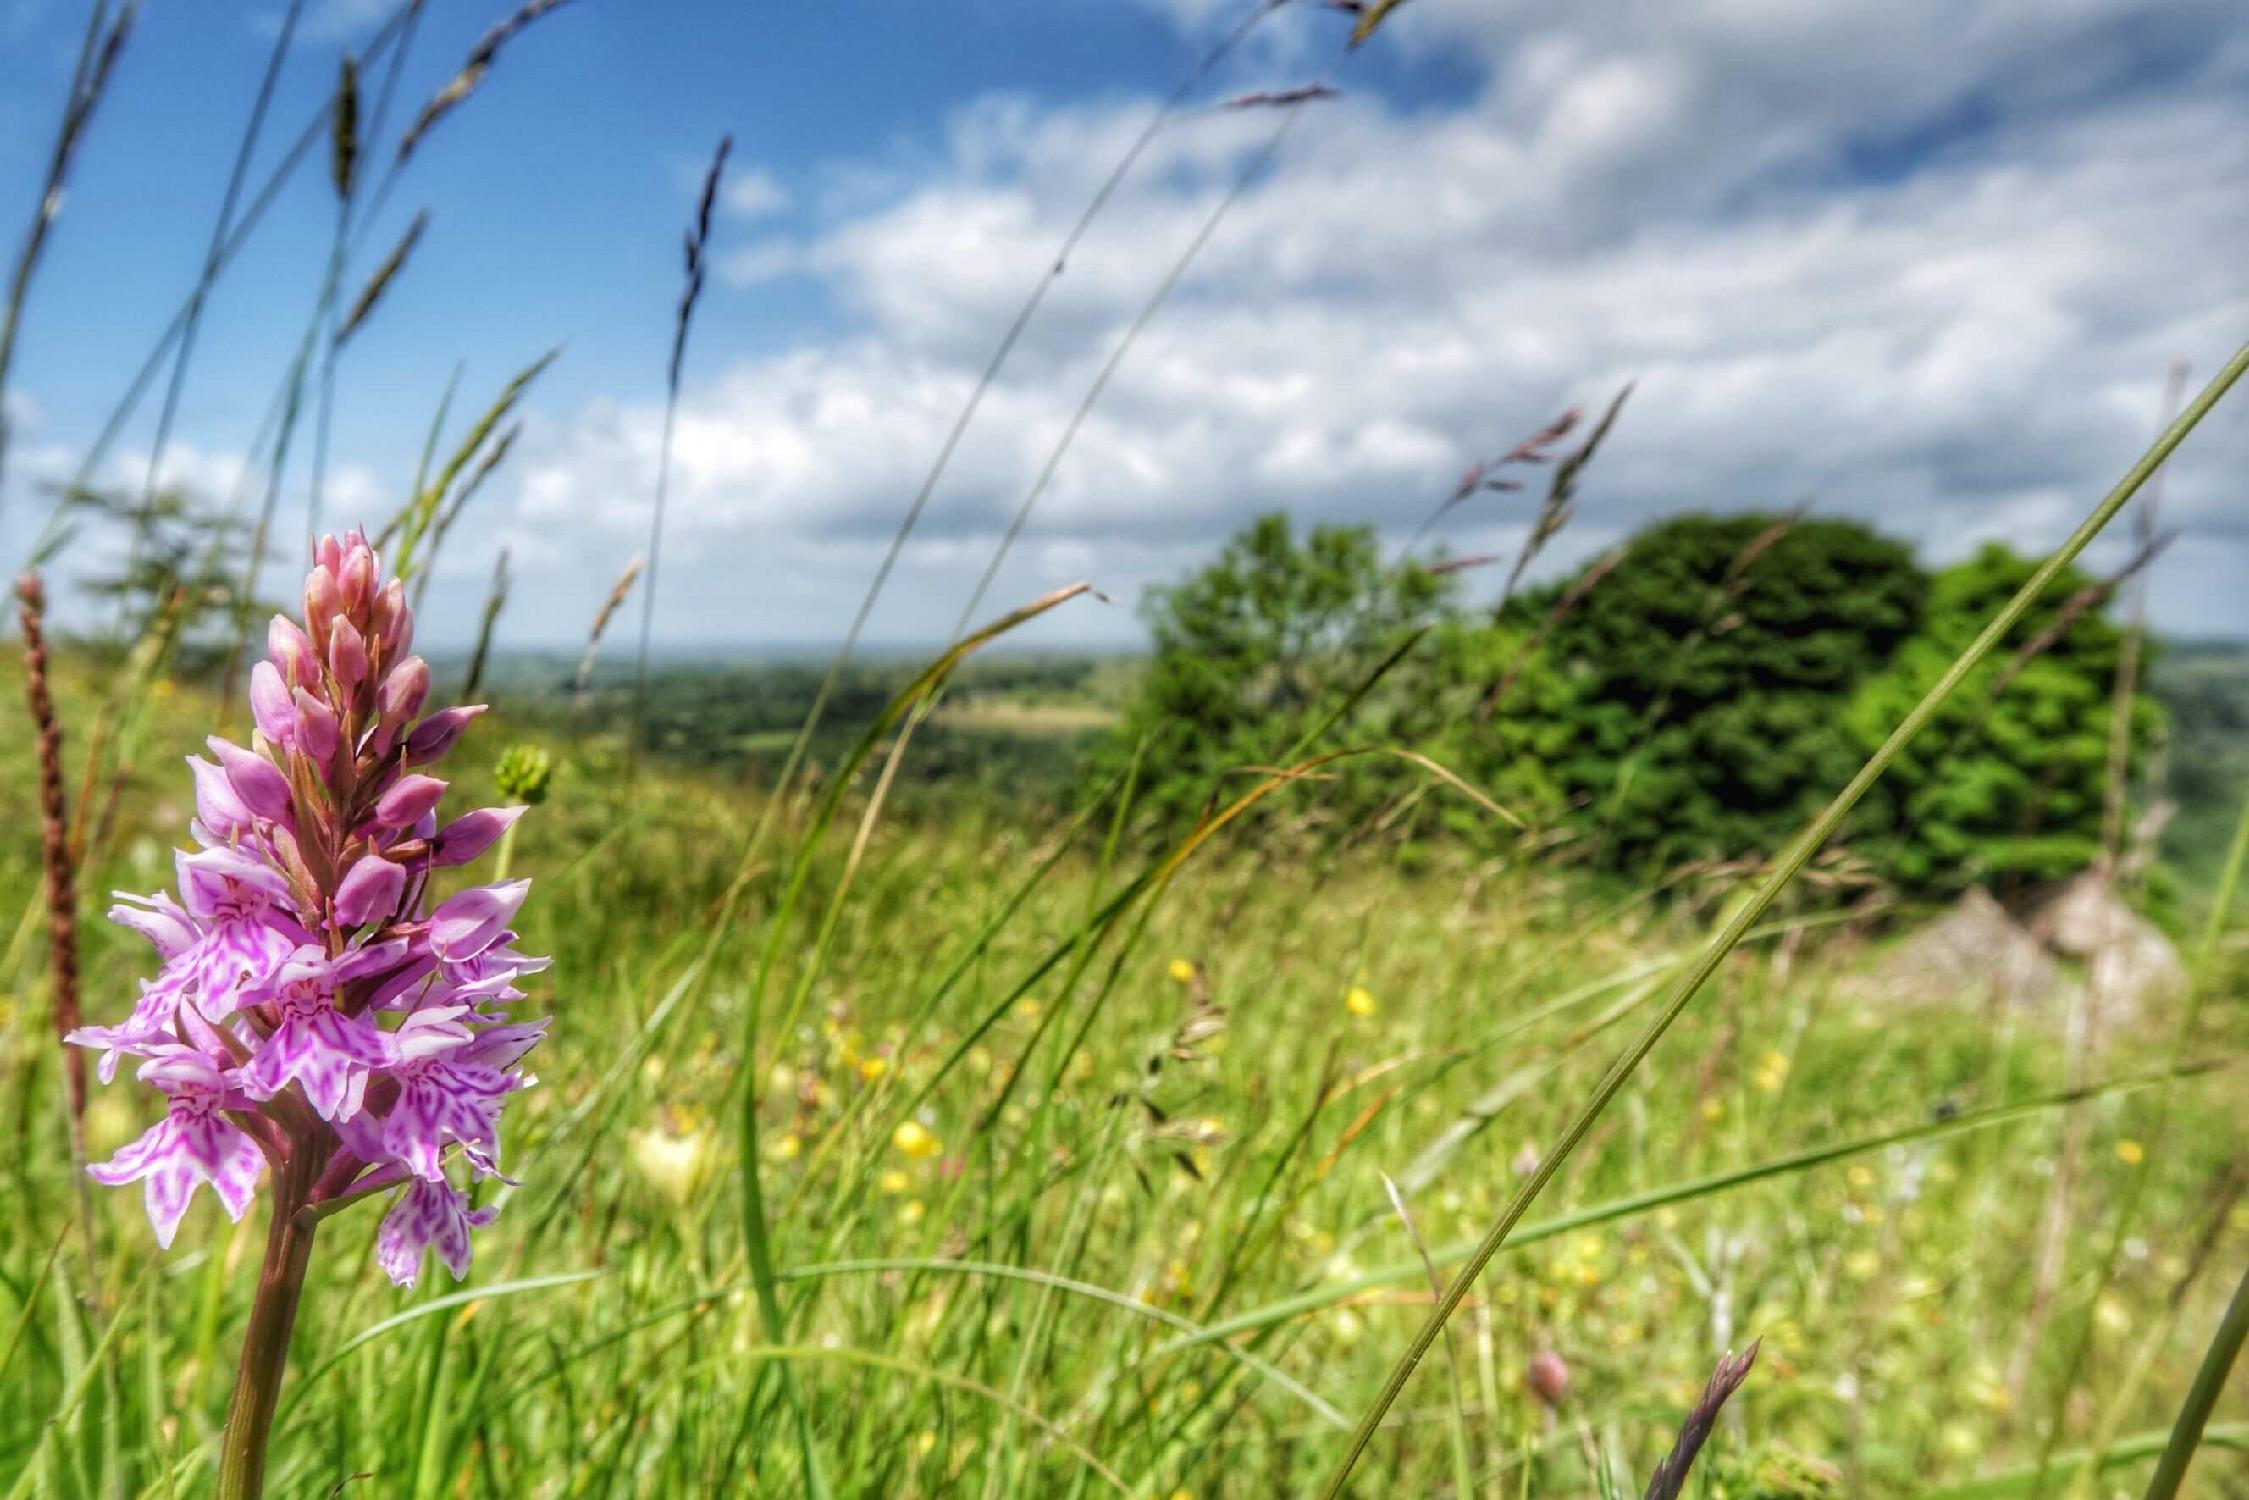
[1697,702]
[2007,789]
[1707,670]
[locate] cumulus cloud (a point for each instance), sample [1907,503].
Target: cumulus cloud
[1909,263]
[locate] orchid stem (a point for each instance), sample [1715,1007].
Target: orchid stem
[273,1316]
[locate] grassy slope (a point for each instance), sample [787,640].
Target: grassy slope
[1889,1287]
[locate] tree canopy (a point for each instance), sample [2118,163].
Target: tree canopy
[1696,699]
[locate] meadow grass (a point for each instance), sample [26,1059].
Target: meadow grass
[1167,1261]
[937,1146]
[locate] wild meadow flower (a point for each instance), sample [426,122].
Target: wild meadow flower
[318,1017]
[916,1140]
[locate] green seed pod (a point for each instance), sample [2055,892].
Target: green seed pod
[524,772]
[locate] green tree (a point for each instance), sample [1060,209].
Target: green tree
[1254,649]
[184,561]
[1707,672]
[2002,789]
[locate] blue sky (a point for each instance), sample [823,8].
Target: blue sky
[1912,264]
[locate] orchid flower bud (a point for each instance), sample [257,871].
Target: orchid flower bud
[317,729]
[472,921]
[408,801]
[328,553]
[290,650]
[262,788]
[471,834]
[369,891]
[271,707]
[437,734]
[322,604]
[356,582]
[219,809]
[390,622]
[402,692]
[347,655]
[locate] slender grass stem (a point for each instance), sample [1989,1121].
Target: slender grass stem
[2202,1396]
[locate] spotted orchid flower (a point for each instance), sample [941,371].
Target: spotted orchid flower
[327,1001]
[428,1215]
[195,1143]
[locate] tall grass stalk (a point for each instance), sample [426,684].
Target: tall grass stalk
[349,147]
[253,214]
[691,293]
[97,59]
[2202,1396]
[62,895]
[2086,1017]
[183,352]
[1784,870]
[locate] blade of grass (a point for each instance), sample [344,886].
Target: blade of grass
[97,57]
[97,1362]
[2202,1396]
[2232,1435]
[1464,1472]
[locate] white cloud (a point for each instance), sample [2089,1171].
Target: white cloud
[1913,264]
[754,193]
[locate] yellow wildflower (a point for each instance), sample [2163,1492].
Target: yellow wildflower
[873,1068]
[1182,970]
[2131,1153]
[672,1157]
[916,1140]
[910,1212]
[1359,1001]
[894,1182]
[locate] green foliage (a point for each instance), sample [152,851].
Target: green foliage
[1253,651]
[2204,690]
[2007,789]
[178,559]
[1696,703]
[1707,668]
[605,1336]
